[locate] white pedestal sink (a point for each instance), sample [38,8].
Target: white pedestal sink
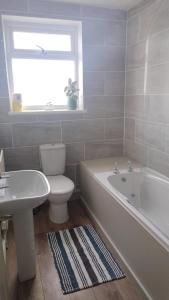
[25,190]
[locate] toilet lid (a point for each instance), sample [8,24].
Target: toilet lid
[60,184]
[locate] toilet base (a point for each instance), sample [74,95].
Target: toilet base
[58,213]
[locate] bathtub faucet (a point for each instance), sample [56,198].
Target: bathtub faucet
[3,176]
[116,169]
[130,168]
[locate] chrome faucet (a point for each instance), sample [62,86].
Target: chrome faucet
[4,187]
[130,168]
[3,176]
[116,169]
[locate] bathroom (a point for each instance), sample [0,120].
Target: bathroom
[118,52]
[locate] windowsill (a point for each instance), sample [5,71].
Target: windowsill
[29,112]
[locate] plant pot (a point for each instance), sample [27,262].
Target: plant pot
[72,103]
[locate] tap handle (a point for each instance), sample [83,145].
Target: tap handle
[4,175]
[115,169]
[130,169]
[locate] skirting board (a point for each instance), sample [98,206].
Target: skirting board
[116,253]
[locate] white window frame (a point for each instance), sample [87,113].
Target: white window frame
[38,25]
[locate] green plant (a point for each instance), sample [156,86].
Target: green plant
[71,91]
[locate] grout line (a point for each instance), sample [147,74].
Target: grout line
[12,135]
[149,65]
[148,146]
[28,6]
[139,10]
[115,141]
[104,129]
[61,132]
[84,151]
[125,89]
[104,71]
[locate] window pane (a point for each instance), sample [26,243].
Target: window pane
[39,41]
[42,81]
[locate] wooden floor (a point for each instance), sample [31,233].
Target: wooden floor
[46,285]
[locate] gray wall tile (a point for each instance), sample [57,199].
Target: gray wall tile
[93,32]
[104,58]
[166,138]
[136,55]
[93,83]
[61,116]
[102,150]
[14,5]
[133,30]
[22,158]
[130,128]
[157,79]
[4,109]
[3,84]
[5,136]
[155,136]
[114,128]
[158,48]
[82,130]
[161,21]
[2,55]
[74,153]
[151,134]
[70,172]
[135,106]
[157,108]
[140,130]
[104,106]
[103,13]
[115,33]
[1,29]
[36,134]
[139,7]
[159,161]
[136,151]
[114,83]
[135,82]
[147,18]
[54,8]
[147,81]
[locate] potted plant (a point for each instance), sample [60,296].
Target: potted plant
[71,91]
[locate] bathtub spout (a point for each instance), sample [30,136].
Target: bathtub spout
[130,168]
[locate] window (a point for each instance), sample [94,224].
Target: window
[42,54]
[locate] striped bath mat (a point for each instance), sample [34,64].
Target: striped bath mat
[81,259]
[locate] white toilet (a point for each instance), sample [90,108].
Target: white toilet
[53,166]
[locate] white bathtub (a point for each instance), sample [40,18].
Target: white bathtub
[146,193]
[133,211]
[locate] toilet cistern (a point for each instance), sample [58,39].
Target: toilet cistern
[53,159]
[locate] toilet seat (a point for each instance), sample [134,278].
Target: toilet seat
[60,184]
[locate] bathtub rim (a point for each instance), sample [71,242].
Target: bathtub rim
[143,221]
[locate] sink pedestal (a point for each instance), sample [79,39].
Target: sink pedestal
[25,244]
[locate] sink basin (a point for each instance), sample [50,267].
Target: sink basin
[26,189]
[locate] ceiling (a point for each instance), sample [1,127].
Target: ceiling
[121,4]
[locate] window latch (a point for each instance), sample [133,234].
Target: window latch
[42,49]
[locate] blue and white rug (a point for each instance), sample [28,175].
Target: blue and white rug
[81,259]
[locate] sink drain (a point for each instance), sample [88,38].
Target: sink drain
[123,179]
